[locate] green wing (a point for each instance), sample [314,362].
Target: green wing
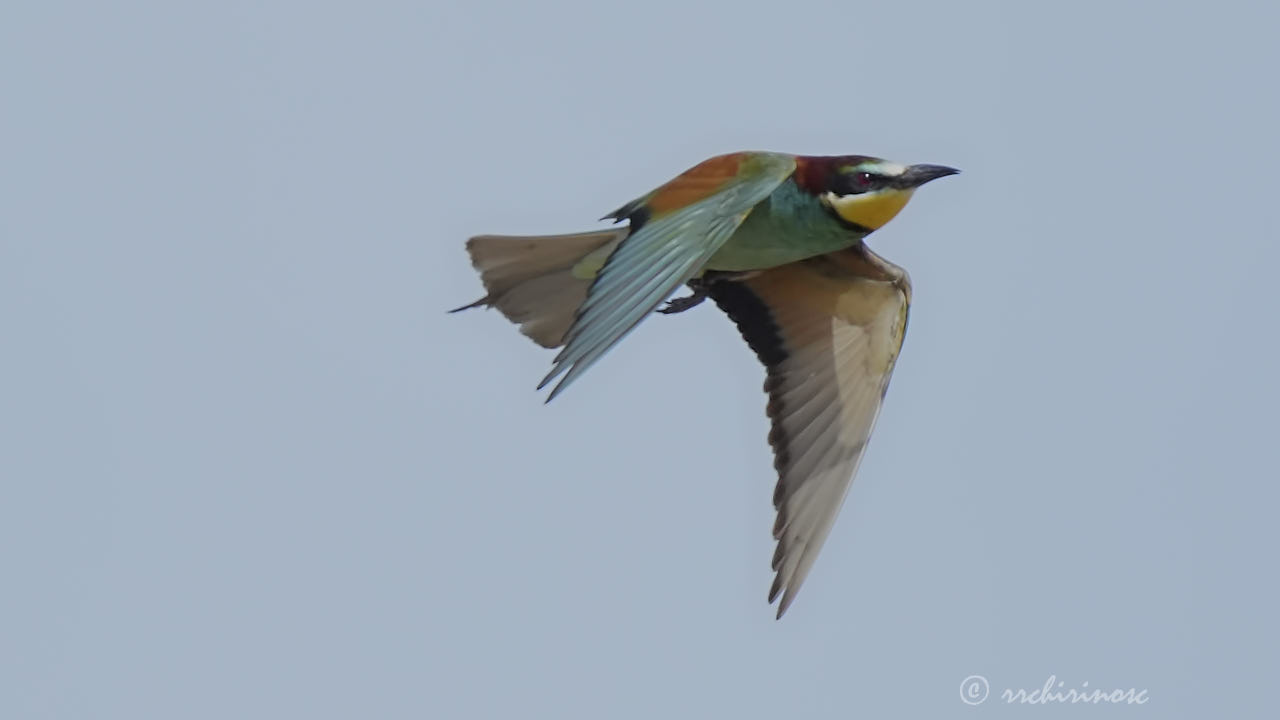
[689,219]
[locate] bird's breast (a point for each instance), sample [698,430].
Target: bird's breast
[788,226]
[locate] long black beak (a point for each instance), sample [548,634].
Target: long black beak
[917,175]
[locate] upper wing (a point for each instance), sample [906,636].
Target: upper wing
[828,331]
[674,231]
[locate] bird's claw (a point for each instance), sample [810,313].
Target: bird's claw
[680,304]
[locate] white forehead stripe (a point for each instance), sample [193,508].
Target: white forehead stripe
[888,169]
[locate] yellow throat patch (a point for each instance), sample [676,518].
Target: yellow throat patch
[870,210]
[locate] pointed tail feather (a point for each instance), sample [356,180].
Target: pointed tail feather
[530,279]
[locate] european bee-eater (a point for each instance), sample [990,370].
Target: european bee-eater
[776,241]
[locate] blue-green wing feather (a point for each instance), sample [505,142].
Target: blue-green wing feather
[653,262]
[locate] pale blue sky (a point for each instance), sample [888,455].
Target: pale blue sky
[252,470]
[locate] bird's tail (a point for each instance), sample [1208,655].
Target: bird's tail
[539,281]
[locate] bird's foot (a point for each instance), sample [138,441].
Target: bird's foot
[680,304]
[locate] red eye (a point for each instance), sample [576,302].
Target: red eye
[863,179]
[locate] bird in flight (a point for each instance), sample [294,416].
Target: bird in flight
[776,241]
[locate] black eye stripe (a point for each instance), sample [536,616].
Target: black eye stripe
[857,182]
